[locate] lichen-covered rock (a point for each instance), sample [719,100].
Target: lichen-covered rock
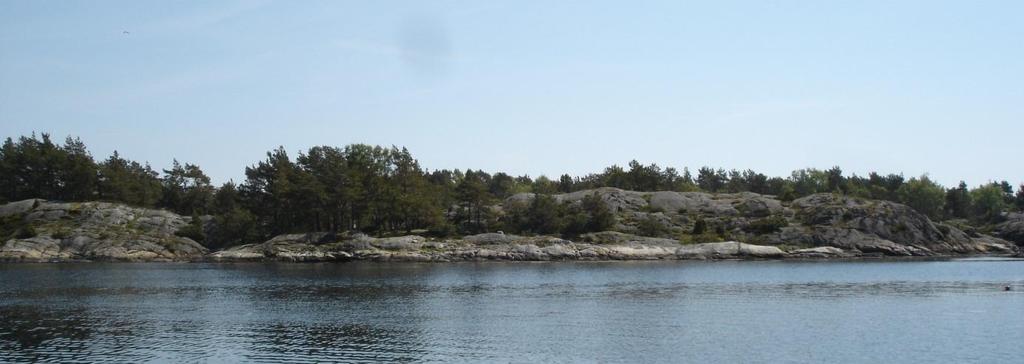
[853,224]
[95,231]
[33,249]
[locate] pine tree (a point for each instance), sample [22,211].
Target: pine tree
[958,202]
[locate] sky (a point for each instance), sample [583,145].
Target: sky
[529,87]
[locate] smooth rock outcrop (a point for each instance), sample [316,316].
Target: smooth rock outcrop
[54,231]
[727,250]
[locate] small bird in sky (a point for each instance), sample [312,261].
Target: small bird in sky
[125,32]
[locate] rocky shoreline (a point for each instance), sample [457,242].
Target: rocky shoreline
[500,247]
[822,226]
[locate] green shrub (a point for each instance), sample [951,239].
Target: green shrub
[233,227]
[700,226]
[720,229]
[9,225]
[190,231]
[651,226]
[442,229]
[767,225]
[26,232]
[193,230]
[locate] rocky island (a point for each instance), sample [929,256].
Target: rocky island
[363,202]
[755,226]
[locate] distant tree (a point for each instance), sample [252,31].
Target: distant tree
[710,180]
[756,182]
[474,199]
[9,181]
[885,187]
[541,215]
[268,189]
[545,215]
[127,181]
[671,180]
[923,195]
[699,227]
[836,182]
[565,183]
[502,185]
[414,203]
[225,198]
[614,176]
[599,216]
[988,202]
[1020,197]
[544,185]
[515,218]
[958,202]
[687,179]
[367,186]
[574,220]
[736,182]
[186,189]
[776,184]
[644,178]
[1008,193]
[787,193]
[329,167]
[857,186]
[77,172]
[32,166]
[233,227]
[809,181]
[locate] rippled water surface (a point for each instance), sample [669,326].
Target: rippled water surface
[936,311]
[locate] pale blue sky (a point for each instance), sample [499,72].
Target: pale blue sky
[534,87]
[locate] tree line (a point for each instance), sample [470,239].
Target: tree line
[381,190]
